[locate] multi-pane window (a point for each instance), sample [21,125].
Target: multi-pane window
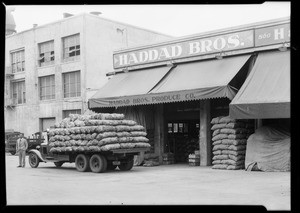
[46,53]
[71,84]
[18,61]
[18,92]
[71,47]
[47,87]
[66,113]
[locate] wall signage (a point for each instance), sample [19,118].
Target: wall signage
[195,47]
[258,37]
[272,35]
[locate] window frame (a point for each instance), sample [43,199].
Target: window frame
[46,51]
[66,83]
[18,92]
[47,87]
[71,47]
[17,60]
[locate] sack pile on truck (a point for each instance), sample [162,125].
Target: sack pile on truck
[229,140]
[96,132]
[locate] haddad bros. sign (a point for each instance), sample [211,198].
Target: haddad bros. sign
[202,46]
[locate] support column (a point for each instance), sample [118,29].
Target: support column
[159,131]
[204,133]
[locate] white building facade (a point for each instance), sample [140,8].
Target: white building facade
[52,70]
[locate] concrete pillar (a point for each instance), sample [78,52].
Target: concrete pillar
[159,131]
[204,133]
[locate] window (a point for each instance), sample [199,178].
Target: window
[170,128]
[71,84]
[175,127]
[18,92]
[46,53]
[66,113]
[71,47]
[47,87]
[18,61]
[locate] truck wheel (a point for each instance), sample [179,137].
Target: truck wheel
[82,163]
[33,160]
[98,163]
[127,165]
[110,166]
[58,164]
[12,152]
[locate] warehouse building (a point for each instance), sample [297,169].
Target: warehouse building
[175,88]
[52,70]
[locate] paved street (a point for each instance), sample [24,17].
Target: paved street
[164,184]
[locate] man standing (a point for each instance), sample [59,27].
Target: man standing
[21,148]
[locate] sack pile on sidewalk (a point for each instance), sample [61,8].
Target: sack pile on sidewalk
[96,132]
[229,139]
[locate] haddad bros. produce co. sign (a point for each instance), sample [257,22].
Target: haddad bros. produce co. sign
[201,46]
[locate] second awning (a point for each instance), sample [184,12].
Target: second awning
[266,91]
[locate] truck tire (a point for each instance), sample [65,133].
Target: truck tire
[58,164]
[33,160]
[82,163]
[127,165]
[98,163]
[110,166]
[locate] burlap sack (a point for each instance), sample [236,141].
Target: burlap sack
[234,131]
[217,152]
[219,137]
[237,158]
[220,147]
[237,148]
[220,157]
[217,142]
[140,139]
[220,166]
[227,119]
[236,136]
[109,140]
[136,128]
[137,133]
[123,134]
[235,125]
[232,152]
[217,131]
[122,128]
[214,162]
[216,120]
[234,142]
[218,126]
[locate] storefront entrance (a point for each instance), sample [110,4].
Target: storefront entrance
[183,139]
[182,126]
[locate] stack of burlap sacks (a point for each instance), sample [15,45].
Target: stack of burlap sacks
[96,132]
[229,140]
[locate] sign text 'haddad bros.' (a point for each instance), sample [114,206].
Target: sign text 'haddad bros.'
[187,48]
[201,46]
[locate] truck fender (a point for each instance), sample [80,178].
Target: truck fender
[37,152]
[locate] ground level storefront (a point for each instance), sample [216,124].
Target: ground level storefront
[175,184]
[175,127]
[177,97]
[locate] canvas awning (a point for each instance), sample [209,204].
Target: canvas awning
[185,82]
[266,91]
[117,90]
